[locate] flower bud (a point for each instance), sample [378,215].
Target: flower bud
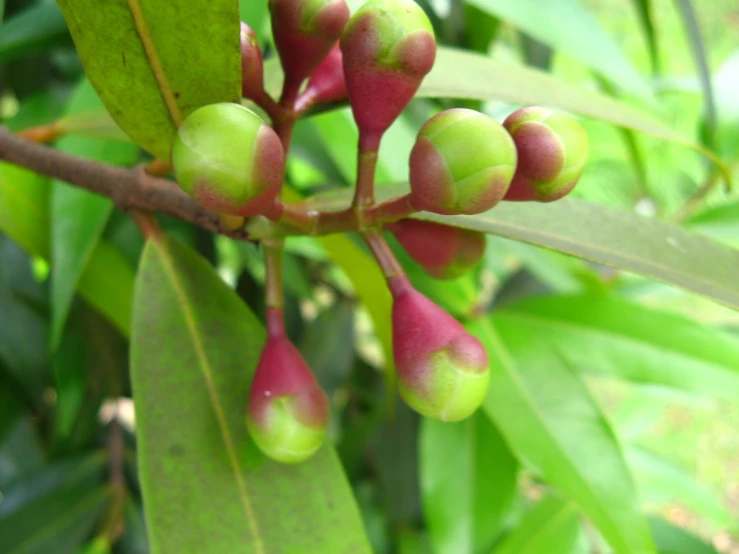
[443,251]
[442,369]
[388,48]
[288,411]
[326,83]
[462,163]
[252,73]
[228,160]
[304,32]
[552,151]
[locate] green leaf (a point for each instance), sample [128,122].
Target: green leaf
[107,285]
[554,427]
[79,216]
[662,483]
[671,539]
[35,29]
[618,238]
[53,510]
[24,208]
[21,452]
[566,26]
[644,13]
[605,334]
[468,483]
[194,348]
[551,526]
[720,222]
[154,63]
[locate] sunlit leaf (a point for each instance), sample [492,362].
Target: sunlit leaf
[154,63]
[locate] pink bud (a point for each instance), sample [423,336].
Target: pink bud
[252,78]
[326,83]
[442,369]
[443,251]
[288,411]
[304,32]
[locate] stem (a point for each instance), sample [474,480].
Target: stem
[290,90]
[159,168]
[42,134]
[390,211]
[387,261]
[364,195]
[146,222]
[274,296]
[267,103]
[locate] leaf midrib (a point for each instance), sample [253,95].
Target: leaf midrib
[207,373]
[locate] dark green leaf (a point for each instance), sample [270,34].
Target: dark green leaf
[566,26]
[551,526]
[468,482]
[644,12]
[154,63]
[21,452]
[79,216]
[194,348]
[608,335]
[554,427]
[35,29]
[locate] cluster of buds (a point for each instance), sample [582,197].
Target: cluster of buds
[463,162]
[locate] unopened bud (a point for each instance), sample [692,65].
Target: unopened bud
[252,67]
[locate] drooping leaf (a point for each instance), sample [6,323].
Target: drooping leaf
[618,238]
[34,29]
[194,348]
[468,482]
[605,334]
[79,216]
[554,427]
[566,26]
[154,63]
[551,526]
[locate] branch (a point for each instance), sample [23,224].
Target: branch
[127,187]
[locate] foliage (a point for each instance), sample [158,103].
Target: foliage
[603,315]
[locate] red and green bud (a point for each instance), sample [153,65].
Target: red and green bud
[252,67]
[288,411]
[462,163]
[552,151]
[442,369]
[388,48]
[228,160]
[326,83]
[304,32]
[444,252]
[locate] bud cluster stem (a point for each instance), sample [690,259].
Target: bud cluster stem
[387,261]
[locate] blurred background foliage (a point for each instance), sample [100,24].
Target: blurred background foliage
[68,479]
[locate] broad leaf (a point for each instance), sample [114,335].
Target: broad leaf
[566,26]
[551,526]
[468,483]
[79,216]
[552,424]
[24,208]
[618,238]
[154,63]
[194,348]
[605,334]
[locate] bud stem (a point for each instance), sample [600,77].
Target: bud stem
[387,261]
[273,266]
[364,194]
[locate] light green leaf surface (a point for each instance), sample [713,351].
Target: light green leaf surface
[567,27]
[605,334]
[79,216]
[153,63]
[24,208]
[671,539]
[618,238]
[551,526]
[553,425]
[468,483]
[194,348]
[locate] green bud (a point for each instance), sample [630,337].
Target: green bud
[228,160]
[462,163]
